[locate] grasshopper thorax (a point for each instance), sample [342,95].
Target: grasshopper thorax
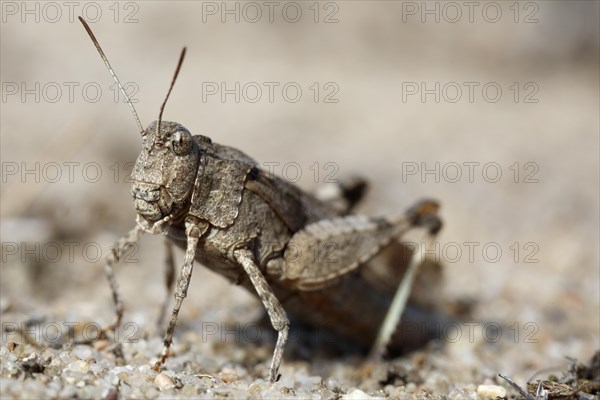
[164,173]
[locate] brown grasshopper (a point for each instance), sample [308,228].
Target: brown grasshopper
[289,247]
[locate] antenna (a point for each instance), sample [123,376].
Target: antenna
[112,72]
[162,107]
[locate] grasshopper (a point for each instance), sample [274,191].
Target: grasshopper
[288,247]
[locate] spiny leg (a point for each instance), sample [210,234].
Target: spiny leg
[276,312]
[423,214]
[194,229]
[113,257]
[169,280]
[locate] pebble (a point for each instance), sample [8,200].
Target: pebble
[82,352]
[308,382]
[358,394]
[462,394]
[333,384]
[490,392]
[13,353]
[164,381]
[78,366]
[228,375]
[101,345]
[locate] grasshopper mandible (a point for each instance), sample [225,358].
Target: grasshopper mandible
[261,231]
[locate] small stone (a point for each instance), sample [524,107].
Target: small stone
[101,345]
[358,394]
[122,371]
[136,380]
[19,350]
[309,381]
[490,392]
[145,369]
[333,384]
[64,357]
[228,375]
[287,380]
[68,392]
[79,366]
[82,352]
[99,368]
[70,380]
[188,392]
[256,388]
[111,378]
[164,381]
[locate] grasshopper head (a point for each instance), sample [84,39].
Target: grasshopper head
[164,173]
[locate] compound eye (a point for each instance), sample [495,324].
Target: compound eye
[181,142]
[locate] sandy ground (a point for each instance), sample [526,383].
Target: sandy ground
[385,93]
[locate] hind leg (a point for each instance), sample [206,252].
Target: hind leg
[422,215]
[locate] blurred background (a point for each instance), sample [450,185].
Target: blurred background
[491,108]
